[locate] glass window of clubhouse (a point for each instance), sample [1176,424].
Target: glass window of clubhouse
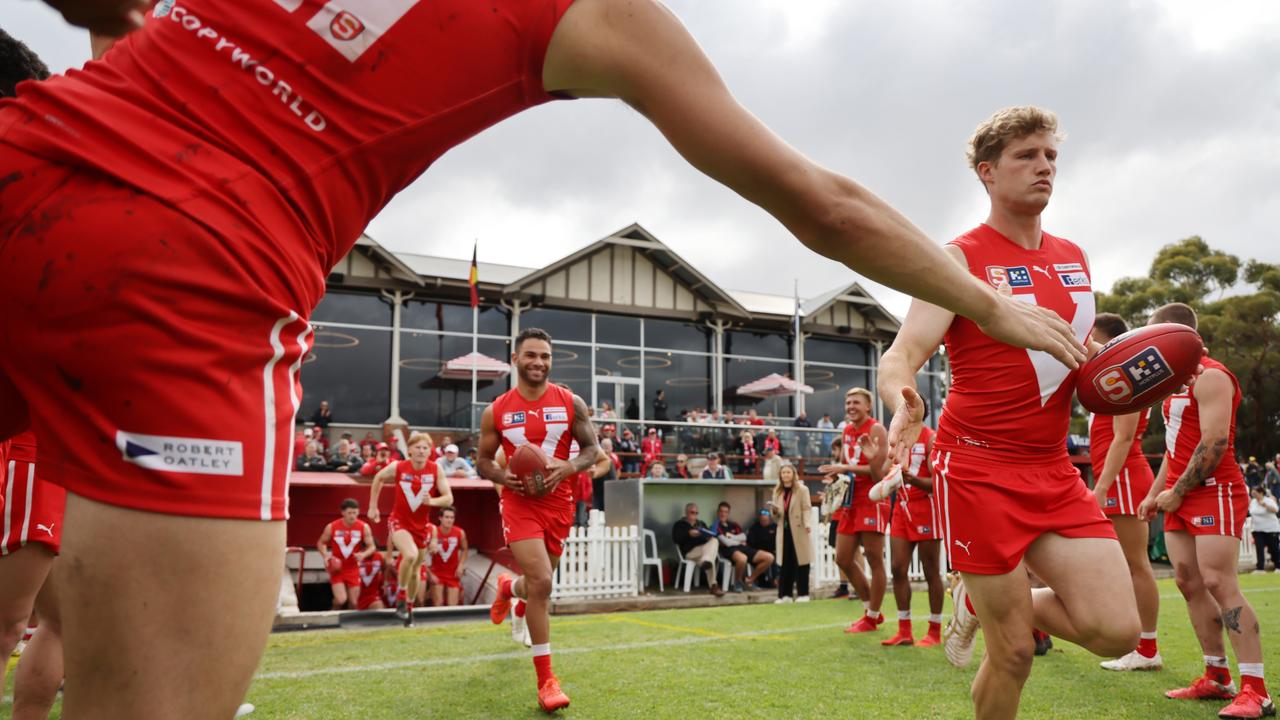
[629,318]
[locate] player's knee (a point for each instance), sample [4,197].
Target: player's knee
[12,630]
[1188,579]
[900,570]
[537,585]
[1014,658]
[409,556]
[1114,637]
[1222,587]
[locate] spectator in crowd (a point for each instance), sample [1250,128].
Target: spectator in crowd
[1263,509]
[312,460]
[826,424]
[771,466]
[794,546]
[300,440]
[583,493]
[369,441]
[629,451]
[763,536]
[802,420]
[1252,472]
[652,444]
[453,466]
[771,440]
[746,450]
[344,457]
[381,458]
[698,545]
[660,405]
[734,548]
[610,472]
[714,470]
[657,471]
[753,418]
[607,412]
[1272,477]
[366,454]
[633,409]
[682,467]
[323,416]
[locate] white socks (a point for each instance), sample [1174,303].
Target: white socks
[937,619]
[1251,670]
[540,650]
[904,614]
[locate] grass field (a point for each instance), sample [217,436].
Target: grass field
[786,661]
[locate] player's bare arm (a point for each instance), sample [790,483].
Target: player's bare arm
[487,448]
[1213,391]
[584,431]
[1125,428]
[924,483]
[444,494]
[632,49]
[386,474]
[323,543]
[369,546]
[112,18]
[462,547]
[918,339]
[1147,508]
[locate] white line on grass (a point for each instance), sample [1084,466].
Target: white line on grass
[524,653]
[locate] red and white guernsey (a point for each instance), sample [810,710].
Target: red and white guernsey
[1006,403]
[450,543]
[315,114]
[1182,434]
[413,488]
[346,541]
[1102,433]
[920,467]
[546,422]
[861,486]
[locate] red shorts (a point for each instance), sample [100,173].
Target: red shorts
[32,508]
[368,597]
[992,510]
[917,520]
[447,580]
[349,575]
[1131,486]
[419,532]
[1211,510]
[548,519]
[172,347]
[865,516]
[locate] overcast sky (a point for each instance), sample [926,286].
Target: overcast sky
[1171,107]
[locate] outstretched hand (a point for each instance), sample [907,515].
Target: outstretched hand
[904,429]
[1022,324]
[114,18]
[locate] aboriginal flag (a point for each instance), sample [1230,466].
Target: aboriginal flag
[474,279]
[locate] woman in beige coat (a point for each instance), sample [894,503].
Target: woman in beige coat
[790,507]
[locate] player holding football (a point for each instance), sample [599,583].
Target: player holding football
[1122,477]
[452,550]
[337,544]
[551,417]
[226,178]
[1010,497]
[915,527]
[864,521]
[1202,493]
[419,487]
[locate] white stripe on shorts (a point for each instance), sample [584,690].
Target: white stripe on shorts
[26,515]
[269,409]
[8,493]
[294,370]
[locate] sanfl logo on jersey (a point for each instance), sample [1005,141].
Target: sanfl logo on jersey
[1018,276]
[513,418]
[1203,521]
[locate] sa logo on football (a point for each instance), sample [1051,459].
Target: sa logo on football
[1114,385]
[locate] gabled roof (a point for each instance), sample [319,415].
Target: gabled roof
[855,295]
[655,251]
[378,252]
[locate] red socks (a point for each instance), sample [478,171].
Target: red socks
[1147,647]
[1256,683]
[542,664]
[904,627]
[518,607]
[505,583]
[935,629]
[1220,675]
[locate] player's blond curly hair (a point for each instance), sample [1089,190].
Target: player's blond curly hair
[863,392]
[1012,123]
[419,437]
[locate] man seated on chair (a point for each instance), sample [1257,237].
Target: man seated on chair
[764,536]
[734,548]
[698,544]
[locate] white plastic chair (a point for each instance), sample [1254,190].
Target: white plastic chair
[686,570]
[651,558]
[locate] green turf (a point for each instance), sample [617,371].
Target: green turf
[744,661]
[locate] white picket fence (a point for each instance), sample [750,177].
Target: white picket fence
[598,562]
[824,570]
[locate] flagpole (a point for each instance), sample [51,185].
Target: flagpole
[475,334]
[798,351]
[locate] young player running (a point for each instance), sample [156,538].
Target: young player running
[337,544]
[452,552]
[418,488]
[550,416]
[1122,477]
[864,521]
[1202,493]
[1010,497]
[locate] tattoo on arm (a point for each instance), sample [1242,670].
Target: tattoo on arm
[1231,618]
[584,431]
[1203,461]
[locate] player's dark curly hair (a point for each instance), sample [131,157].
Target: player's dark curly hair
[532,334]
[18,63]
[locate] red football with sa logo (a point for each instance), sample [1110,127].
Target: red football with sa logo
[1139,369]
[529,463]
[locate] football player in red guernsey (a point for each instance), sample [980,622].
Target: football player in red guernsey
[339,540]
[1011,499]
[552,417]
[916,528]
[451,553]
[267,166]
[864,521]
[1122,477]
[418,488]
[1203,495]
[372,575]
